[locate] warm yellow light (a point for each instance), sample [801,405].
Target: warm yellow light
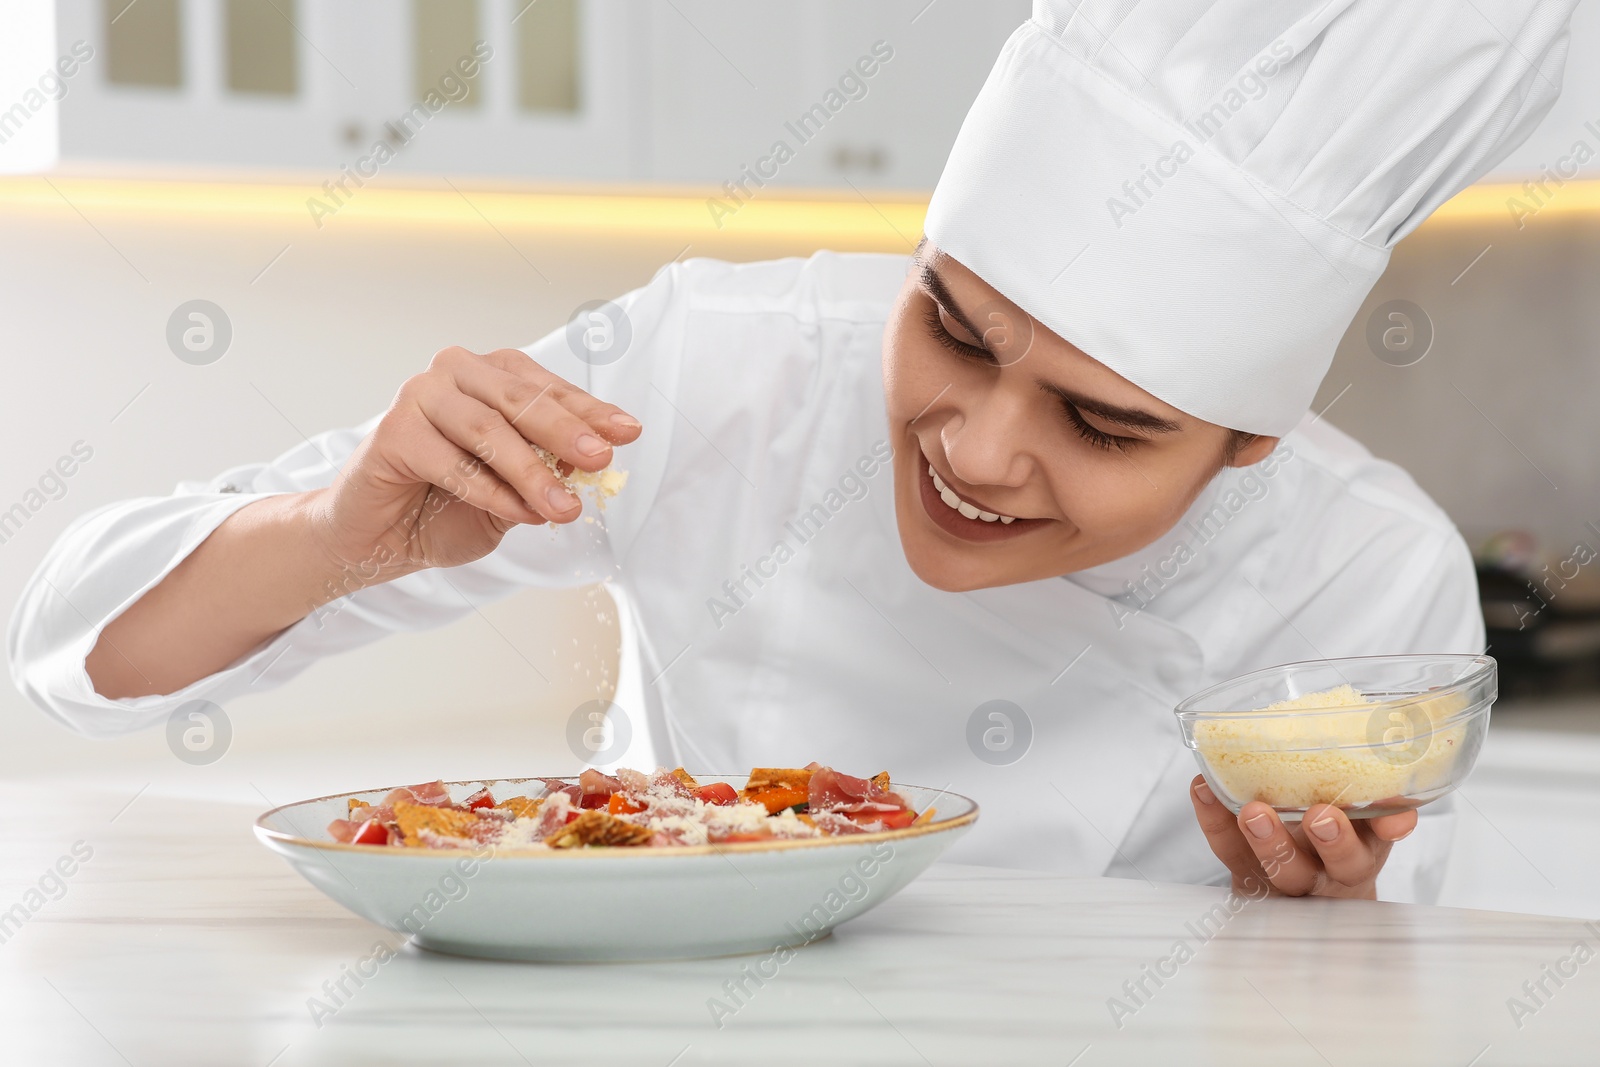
[1516,203]
[892,222]
[895,222]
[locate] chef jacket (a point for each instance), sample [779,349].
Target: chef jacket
[777,620]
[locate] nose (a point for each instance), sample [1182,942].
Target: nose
[985,442]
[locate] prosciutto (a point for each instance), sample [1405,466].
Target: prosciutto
[846,794]
[595,788]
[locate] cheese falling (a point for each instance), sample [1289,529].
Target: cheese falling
[606,483]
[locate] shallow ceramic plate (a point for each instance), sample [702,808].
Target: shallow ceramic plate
[595,904]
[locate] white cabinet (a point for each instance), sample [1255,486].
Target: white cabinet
[685,92]
[358,85]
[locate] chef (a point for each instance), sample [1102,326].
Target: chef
[981,515]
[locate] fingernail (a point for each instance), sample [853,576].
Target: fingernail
[1205,794]
[1326,828]
[1260,826]
[590,445]
[559,498]
[626,422]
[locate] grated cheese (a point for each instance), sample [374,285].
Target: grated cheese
[1351,760]
[606,483]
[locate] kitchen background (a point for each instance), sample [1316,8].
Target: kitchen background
[267,156]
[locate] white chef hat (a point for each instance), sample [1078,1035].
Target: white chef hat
[1200,193]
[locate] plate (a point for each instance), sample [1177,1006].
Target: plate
[597,904]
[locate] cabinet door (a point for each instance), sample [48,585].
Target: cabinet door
[355,78]
[724,77]
[779,89]
[898,133]
[688,92]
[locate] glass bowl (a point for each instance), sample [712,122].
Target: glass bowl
[1407,730]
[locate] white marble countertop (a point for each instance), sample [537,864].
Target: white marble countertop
[180,940]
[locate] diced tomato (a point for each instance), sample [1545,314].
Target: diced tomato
[717,793]
[572,815]
[621,805]
[481,799]
[595,800]
[899,820]
[372,832]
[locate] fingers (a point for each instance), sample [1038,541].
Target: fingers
[1327,854]
[481,417]
[1291,869]
[440,462]
[1392,828]
[1348,857]
[531,403]
[607,420]
[483,433]
[1222,832]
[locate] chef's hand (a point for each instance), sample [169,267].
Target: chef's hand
[1324,856]
[451,468]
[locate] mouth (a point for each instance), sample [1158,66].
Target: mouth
[963,518]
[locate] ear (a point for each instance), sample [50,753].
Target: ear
[1256,450]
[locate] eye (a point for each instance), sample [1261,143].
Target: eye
[949,340]
[1093,434]
[1090,433]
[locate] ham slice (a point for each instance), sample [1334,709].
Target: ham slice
[846,794]
[597,788]
[570,790]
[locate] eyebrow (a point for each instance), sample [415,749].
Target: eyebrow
[1133,418]
[934,284]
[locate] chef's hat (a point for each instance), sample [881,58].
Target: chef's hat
[1200,193]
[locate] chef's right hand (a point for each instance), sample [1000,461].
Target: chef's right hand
[450,467]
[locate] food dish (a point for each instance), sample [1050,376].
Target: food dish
[1373,735]
[608,903]
[633,810]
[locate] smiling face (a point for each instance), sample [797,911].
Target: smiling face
[1017,456]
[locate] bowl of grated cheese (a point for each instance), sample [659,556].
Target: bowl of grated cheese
[1373,735]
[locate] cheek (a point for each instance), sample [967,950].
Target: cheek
[907,375]
[917,370]
[1118,497]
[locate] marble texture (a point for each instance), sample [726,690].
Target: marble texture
[182,941]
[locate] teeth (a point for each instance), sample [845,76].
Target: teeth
[970,511]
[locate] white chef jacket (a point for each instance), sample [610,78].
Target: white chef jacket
[776,614]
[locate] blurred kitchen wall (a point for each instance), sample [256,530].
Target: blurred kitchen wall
[199,137]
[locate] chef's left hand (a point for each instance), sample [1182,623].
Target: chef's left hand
[1325,855]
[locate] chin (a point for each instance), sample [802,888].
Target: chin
[937,572]
[937,564]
